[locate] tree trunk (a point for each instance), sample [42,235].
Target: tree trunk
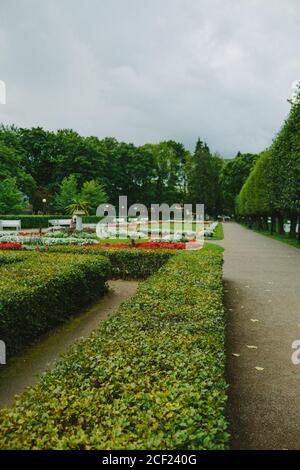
[292,233]
[265,222]
[273,224]
[298,238]
[280,228]
[259,222]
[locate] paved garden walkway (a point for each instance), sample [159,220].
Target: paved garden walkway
[262,296]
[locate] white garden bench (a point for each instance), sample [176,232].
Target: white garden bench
[16,224]
[59,223]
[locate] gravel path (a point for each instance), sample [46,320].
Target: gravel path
[262,296]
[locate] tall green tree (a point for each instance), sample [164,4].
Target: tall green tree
[81,156]
[233,175]
[11,198]
[274,183]
[40,154]
[94,194]
[12,164]
[127,171]
[203,179]
[68,191]
[254,198]
[285,169]
[168,172]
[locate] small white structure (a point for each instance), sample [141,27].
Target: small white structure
[2,352]
[59,223]
[78,217]
[2,92]
[16,224]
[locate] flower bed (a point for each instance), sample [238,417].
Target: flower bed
[29,234]
[143,246]
[37,240]
[57,234]
[11,246]
[152,376]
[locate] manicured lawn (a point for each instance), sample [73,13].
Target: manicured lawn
[219,233]
[174,226]
[212,247]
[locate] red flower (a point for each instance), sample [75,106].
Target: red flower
[26,234]
[141,245]
[11,246]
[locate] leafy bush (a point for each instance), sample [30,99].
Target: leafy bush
[39,291]
[11,197]
[152,376]
[91,219]
[125,263]
[10,257]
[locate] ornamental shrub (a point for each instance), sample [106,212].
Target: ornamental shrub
[125,263]
[39,291]
[151,377]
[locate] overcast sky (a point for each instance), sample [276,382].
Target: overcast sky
[149,70]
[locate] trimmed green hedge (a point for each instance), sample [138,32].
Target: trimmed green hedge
[152,376]
[10,257]
[126,263]
[39,291]
[37,221]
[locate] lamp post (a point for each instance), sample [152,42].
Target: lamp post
[44,201]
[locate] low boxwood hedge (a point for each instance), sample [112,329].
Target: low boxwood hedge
[151,377]
[10,257]
[126,263]
[39,291]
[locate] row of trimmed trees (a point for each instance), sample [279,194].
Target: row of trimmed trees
[271,193]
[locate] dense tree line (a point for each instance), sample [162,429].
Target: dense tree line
[65,168]
[271,194]
[233,175]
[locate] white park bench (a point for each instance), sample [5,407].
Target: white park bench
[16,224]
[58,223]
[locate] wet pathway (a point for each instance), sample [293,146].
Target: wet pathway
[262,296]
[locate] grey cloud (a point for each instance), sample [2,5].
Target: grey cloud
[145,71]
